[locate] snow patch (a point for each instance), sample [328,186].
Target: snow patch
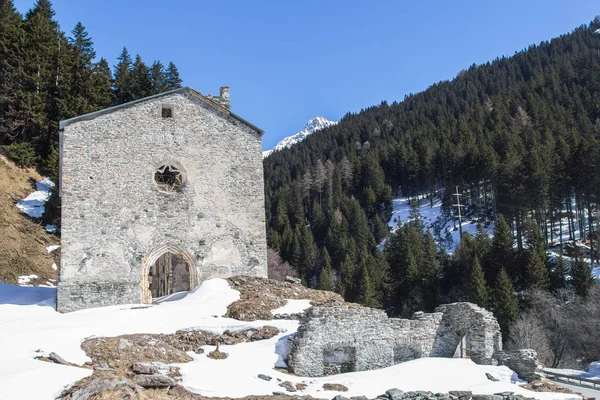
[51,248]
[292,307]
[26,279]
[33,205]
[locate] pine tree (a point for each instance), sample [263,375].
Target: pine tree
[380,230]
[501,253]
[81,73]
[102,93]
[123,85]
[172,77]
[536,273]
[345,283]
[158,78]
[366,294]
[326,277]
[309,256]
[476,288]
[558,277]
[141,84]
[506,307]
[582,279]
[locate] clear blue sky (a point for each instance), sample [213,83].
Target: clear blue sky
[289,61]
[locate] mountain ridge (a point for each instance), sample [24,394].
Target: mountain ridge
[313,125]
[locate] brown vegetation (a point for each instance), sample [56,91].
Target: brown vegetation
[24,240]
[561,327]
[277,268]
[121,352]
[258,296]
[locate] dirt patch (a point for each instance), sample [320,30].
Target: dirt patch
[103,385]
[258,296]
[24,240]
[546,386]
[121,352]
[337,387]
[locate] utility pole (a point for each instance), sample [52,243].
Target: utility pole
[458,205]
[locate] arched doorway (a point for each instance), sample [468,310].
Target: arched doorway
[169,274]
[167,269]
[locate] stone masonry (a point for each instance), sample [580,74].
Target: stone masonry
[344,339]
[117,220]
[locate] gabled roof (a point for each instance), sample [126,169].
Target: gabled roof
[187,89]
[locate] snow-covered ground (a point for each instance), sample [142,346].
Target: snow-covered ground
[29,326]
[593,371]
[434,221]
[34,204]
[293,306]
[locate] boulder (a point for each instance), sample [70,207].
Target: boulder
[154,381]
[264,377]
[524,362]
[144,368]
[394,394]
[58,359]
[335,387]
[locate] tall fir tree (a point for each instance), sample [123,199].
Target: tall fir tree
[172,77]
[158,78]
[476,288]
[581,277]
[505,305]
[141,83]
[326,276]
[502,252]
[345,283]
[123,82]
[366,293]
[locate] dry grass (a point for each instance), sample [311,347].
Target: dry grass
[23,244]
[258,296]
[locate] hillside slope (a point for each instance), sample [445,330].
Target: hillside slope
[518,136]
[24,240]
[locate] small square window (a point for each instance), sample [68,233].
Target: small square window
[167,112]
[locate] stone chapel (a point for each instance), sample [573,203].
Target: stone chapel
[157,195]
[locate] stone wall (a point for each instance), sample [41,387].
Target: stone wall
[115,220]
[342,339]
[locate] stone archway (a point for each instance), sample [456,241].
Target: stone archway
[470,331]
[167,255]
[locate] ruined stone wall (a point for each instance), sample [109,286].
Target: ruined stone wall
[344,339]
[116,223]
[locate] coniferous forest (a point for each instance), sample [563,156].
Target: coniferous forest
[47,76]
[519,137]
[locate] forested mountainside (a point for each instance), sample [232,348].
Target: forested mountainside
[518,136]
[47,76]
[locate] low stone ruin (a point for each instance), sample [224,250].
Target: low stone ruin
[343,339]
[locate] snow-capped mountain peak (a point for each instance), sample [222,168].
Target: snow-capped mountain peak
[312,126]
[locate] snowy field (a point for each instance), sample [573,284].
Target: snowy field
[29,327]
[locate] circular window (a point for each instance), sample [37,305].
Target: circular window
[168,178]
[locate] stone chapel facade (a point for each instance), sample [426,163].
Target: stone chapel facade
[157,195]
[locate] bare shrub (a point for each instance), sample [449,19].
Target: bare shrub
[277,268]
[561,327]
